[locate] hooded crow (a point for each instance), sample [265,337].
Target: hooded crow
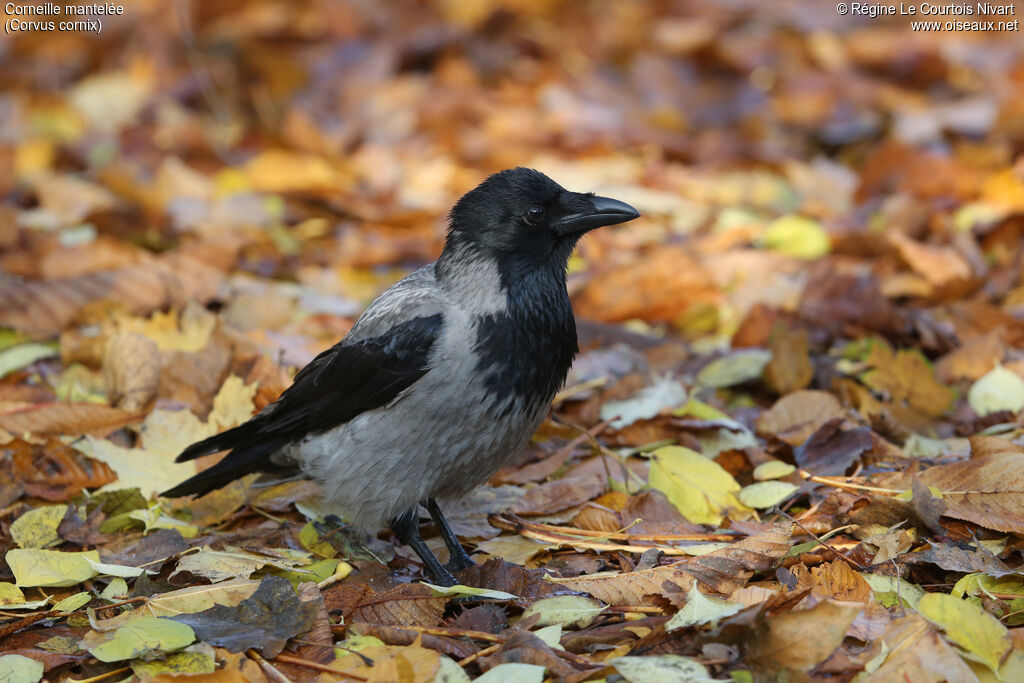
[442,380]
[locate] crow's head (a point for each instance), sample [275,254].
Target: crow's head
[522,214]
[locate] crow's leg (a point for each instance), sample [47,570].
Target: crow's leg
[457,556]
[406,527]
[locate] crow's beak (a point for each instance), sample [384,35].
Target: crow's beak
[603,211]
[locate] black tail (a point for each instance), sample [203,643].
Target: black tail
[250,452]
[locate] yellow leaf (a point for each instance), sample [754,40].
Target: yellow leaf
[906,375]
[796,236]
[37,528]
[969,626]
[141,637]
[233,404]
[50,568]
[699,488]
[765,494]
[189,332]
[998,389]
[773,469]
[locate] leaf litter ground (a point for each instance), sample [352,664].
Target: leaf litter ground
[791,447]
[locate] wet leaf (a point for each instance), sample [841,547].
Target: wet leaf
[264,621]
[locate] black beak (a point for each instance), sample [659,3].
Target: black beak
[603,211]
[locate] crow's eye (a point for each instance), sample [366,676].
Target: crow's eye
[534,215]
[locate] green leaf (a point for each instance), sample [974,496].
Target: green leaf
[23,355]
[458,590]
[37,528]
[700,609]
[197,659]
[73,602]
[50,567]
[998,389]
[566,610]
[773,469]
[736,368]
[976,631]
[796,236]
[654,668]
[765,494]
[19,669]
[699,488]
[143,636]
[891,591]
[449,672]
[115,590]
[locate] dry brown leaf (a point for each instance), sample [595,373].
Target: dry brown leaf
[972,360]
[988,489]
[908,379]
[411,604]
[796,416]
[790,368]
[47,307]
[724,571]
[53,471]
[131,370]
[798,641]
[661,285]
[558,495]
[918,653]
[67,418]
[836,580]
[940,266]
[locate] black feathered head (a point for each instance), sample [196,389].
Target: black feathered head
[521,213]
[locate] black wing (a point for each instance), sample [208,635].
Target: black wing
[345,380]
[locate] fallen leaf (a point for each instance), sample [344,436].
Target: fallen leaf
[663,394]
[790,367]
[66,418]
[559,495]
[736,368]
[724,570]
[23,355]
[833,448]
[796,236]
[19,669]
[513,673]
[131,370]
[143,637]
[766,494]
[700,609]
[907,377]
[566,610]
[50,567]
[969,626]
[699,488]
[988,489]
[660,668]
[37,528]
[796,416]
[798,641]
[264,621]
[998,389]
[773,469]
